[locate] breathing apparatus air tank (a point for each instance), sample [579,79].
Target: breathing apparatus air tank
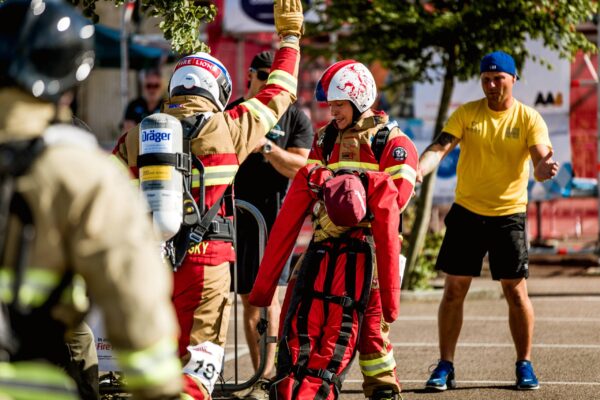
[161,144]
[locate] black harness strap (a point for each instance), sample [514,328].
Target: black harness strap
[197,225]
[325,388]
[354,248]
[310,272]
[313,256]
[301,305]
[22,321]
[181,161]
[26,321]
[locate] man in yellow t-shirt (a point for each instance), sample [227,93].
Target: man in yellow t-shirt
[498,136]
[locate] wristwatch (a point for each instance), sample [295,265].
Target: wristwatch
[267,147]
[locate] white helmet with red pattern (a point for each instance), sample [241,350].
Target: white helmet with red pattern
[348,80]
[203,75]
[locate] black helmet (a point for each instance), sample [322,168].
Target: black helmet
[46,46]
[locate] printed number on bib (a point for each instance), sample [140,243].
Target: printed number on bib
[206,361]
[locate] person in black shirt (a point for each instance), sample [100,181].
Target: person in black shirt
[262,180]
[148,103]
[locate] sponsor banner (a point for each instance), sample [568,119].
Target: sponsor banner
[545,90]
[251,16]
[248,16]
[106,359]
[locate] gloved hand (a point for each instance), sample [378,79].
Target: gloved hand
[288,17]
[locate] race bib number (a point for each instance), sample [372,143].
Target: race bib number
[206,361]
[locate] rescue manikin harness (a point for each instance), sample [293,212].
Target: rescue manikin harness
[353,303]
[192,224]
[377,145]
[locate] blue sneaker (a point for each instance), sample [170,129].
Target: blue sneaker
[526,379]
[442,377]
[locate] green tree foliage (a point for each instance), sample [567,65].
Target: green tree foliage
[422,41]
[180,20]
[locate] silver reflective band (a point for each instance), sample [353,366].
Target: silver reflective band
[291,39]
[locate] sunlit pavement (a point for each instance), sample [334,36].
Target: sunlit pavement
[566,352]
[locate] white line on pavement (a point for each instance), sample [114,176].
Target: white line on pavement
[488,382]
[550,346]
[564,299]
[478,318]
[230,356]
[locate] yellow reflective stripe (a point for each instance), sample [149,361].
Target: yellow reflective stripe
[152,366]
[231,168]
[262,112]
[216,175]
[357,165]
[218,181]
[35,289]
[35,380]
[283,79]
[402,171]
[313,161]
[379,365]
[76,294]
[185,396]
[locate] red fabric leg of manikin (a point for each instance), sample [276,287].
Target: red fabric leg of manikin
[323,329]
[286,304]
[188,282]
[191,388]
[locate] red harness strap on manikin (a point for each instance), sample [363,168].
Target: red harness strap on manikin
[341,308]
[320,330]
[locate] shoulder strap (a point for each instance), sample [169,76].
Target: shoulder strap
[380,139]
[194,124]
[199,231]
[15,159]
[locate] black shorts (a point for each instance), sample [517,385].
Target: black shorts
[470,236]
[247,255]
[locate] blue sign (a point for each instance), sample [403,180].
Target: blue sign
[262,10]
[259,10]
[447,168]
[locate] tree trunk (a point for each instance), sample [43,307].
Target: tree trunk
[423,216]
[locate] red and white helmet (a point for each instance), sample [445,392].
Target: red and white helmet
[201,74]
[348,80]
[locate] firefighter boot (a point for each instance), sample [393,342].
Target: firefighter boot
[385,394]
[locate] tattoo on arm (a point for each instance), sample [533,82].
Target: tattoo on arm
[444,138]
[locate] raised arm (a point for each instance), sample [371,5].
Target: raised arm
[253,119]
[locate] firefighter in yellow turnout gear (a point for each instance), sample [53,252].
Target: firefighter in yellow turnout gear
[61,232]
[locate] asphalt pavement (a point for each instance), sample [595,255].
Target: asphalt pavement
[566,350]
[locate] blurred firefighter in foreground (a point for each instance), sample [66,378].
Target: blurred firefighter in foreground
[337,301]
[219,140]
[61,233]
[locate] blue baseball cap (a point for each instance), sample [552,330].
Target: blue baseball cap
[498,61]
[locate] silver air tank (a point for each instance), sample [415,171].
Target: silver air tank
[162,185]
